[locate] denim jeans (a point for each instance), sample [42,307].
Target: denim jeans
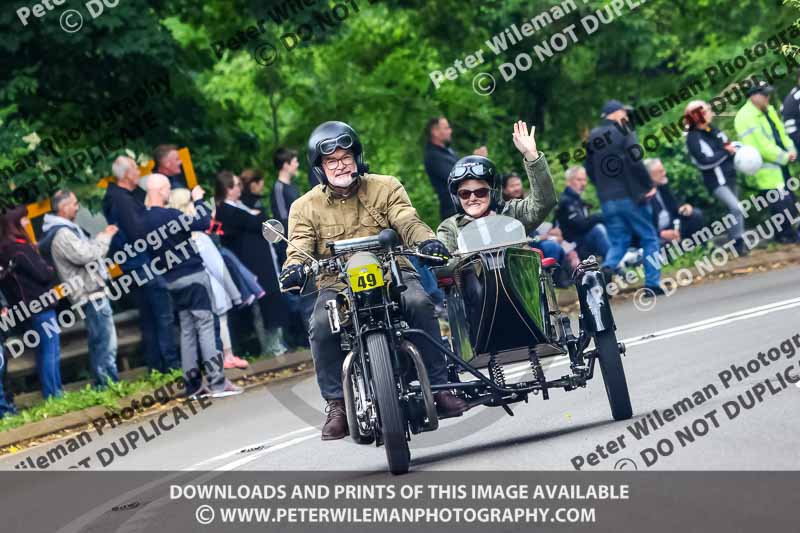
[48,353]
[102,341]
[6,406]
[593,242]
[428,281]
[157,324]
[550,249]
[624,218]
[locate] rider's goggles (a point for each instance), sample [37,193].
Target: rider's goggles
[328,146]
[478,170]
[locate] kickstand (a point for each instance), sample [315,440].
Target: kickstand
[508,410]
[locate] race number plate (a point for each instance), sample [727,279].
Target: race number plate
[365,277]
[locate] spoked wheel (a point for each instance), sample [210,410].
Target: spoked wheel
[392,421]
[355,396]
[613,374]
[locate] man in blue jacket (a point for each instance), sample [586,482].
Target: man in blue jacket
[614,164]
[123,206]
[188,284]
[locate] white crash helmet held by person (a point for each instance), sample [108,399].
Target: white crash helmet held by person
[747,159]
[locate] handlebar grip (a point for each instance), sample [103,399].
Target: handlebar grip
[291,289]
[433,258]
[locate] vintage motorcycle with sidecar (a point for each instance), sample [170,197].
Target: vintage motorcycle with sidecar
[501,308]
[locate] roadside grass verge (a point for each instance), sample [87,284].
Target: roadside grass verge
[87,397]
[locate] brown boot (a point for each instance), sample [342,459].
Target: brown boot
[448,405]
[336,424]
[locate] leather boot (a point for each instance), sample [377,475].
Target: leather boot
[448,405]
[336,424]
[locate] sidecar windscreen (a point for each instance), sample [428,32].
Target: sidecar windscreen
[491,232]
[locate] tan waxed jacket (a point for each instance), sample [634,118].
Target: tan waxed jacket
[381,202]
[531,211]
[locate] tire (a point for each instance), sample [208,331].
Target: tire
[613,375]
[390,414]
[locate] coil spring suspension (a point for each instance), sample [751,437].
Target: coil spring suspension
[496,372]
[538,375]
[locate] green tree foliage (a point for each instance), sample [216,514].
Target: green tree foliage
[369,67]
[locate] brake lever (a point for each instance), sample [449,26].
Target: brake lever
[307,271]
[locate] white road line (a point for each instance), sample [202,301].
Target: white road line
[249,459]
[79,524]
[692,327]
[703,325]
[241,449]
[722,319]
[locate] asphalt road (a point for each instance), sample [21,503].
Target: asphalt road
[674,350]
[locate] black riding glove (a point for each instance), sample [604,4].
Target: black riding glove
[435,248]
[293,277]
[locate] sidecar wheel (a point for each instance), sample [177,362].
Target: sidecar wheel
[392,421]
[613,375]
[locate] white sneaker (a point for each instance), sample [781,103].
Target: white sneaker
[201,392]
[229,390]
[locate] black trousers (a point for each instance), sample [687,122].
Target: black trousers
[326,348]
[786,203]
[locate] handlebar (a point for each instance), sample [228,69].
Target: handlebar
[329,263]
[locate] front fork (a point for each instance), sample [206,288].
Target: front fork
[596,313]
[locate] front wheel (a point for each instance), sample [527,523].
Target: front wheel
[613,374]
[390,414]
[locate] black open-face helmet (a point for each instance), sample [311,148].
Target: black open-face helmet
[325,139]
[475,167]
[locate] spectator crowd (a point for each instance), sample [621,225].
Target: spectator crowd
[639,214]
[209,280]
[224,284]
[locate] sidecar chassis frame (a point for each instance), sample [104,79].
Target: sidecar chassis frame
[484,391]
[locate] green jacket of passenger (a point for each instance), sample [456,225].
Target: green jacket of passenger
[531,210]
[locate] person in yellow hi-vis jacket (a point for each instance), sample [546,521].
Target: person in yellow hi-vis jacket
[759,125]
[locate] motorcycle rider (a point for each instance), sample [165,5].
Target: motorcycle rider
[475,190]
[349,202]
